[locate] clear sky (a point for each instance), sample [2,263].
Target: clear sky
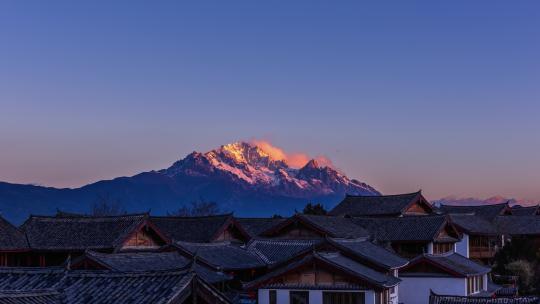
[438,95]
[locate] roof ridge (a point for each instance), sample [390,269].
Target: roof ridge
[191,217]
[213,244]
[107,273]
[88,216]
[19,293]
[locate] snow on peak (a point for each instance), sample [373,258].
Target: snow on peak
[250,164]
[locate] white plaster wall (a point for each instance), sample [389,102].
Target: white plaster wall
[315,296]
[462,247]
[430,248]
[263,297]
[413,290]
[283,296]
[370,297]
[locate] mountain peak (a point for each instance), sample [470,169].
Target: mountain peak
[312,164]
[249,165]
[242,152]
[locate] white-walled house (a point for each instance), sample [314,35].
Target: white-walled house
[448,274]
[325,278]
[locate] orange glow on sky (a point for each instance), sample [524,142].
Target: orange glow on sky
[295,160]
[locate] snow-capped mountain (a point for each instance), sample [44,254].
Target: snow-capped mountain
[241,177]
[252,168]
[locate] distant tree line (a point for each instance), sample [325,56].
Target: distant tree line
[198,208]
[106,205]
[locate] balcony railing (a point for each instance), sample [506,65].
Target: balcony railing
[482,252]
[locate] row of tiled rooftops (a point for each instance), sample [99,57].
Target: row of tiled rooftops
[385,218]
[449,299]
[353,239]
[58,285]
[53,233]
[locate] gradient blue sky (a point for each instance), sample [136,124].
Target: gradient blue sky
[438,95]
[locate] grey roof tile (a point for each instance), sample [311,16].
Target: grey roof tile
[335,260]
[31,297]
[11,238]
[79,232]
[518,225]
[105,287]
[407,228]
[453,262]
[256,226]
[474,224]
[223,255]
[12,278]
[529,210]
[369,251]
[446,299]
[191,229]
[331,226]
[153,261]
[358,269]
[336,226]
[274,251]
[374,205]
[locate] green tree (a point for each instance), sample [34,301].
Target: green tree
[106,205]
[520,257]
[198,208]
[315,209]
[524,270]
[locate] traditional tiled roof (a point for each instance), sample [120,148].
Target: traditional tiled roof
[376,205]
[444,299]
[80,232]
[223,255]
[255,226]
[191,229]
[46,296]
[367,250]
[355,268]
[274,251]
[474,224]
[334,260]
[151,261]
[407,228]
[11,238]
[518,225]
[30,278]
[495,290]
[530,210]
[99,287]
[103,287]
[486,211]
[331,226]
[453,263]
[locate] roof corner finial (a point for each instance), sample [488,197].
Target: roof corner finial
[68,262]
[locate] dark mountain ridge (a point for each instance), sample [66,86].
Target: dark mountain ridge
[240,177]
